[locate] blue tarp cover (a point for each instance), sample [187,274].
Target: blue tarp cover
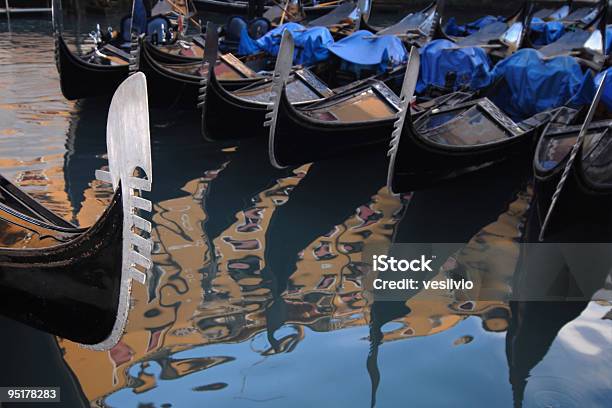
[606,97]
[546,32]
[310,43]
[471,65]
[140,16]
[452,28]
[385,51]
[533,84]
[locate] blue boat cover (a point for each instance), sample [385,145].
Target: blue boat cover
[454,29]
[438,58]
[363,48]
[533,84]
[157,27]
[546,32]
[311,44]
[606,97]
[140,17]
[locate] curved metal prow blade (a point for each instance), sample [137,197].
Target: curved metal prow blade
[282,69]
[365,8]
[129,155]
[57,18]
[574,153]
[408,87]
[211,51]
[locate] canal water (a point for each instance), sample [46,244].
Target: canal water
[256,297]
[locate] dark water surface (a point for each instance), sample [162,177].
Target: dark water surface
[256,296]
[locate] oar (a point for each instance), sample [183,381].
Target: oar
[573,154]
[329,3]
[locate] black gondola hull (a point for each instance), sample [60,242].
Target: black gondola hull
[81,79]
[419,164]
[71,289]
[226,117]
[299,140]
[578,206]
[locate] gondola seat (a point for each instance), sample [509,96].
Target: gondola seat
[258,27]
[158,30]
[232,32]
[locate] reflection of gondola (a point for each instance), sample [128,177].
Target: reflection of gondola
[446,143]
[76,282]
[363,117]
[242,7]
[303,88]
[533,328]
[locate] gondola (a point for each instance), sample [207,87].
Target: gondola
[192,49]
[303,87]
[548,14]
[82,79]
[446,143]
[361,118]
[410,24]
[75,282]
[105,67]
[242,7]
[586,193]
[566,19]
[180,83]
[75,71]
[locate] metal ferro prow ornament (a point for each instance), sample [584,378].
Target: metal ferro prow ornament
[211,50]
[129,155]
[408,87]
[282,69]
